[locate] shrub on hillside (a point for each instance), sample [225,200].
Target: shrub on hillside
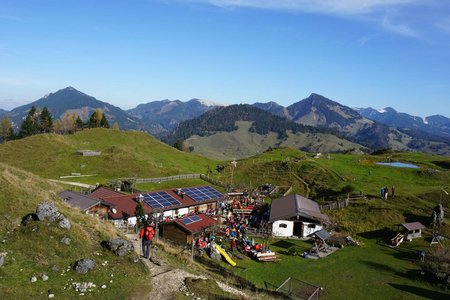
[437,262]
[348,189]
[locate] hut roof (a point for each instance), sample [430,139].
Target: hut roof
[287,207]
[413,226]
[78,200]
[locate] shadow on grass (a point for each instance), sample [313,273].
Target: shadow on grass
[428,294]
[379,267]
[425,220]
[383,235]
[283,244]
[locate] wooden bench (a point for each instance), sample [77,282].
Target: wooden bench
[268,256]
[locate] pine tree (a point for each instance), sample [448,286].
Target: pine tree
[140,214]
[79,123]
[95,119]
[6,129]
[104,122]
[30,124]
[45,121]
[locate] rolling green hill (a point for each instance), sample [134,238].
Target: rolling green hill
[325,178]
[124,154]
[35,249]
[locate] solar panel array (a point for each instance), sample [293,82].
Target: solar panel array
[160,199]
[202,193]
[189,220]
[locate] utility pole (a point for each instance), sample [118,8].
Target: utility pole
[233,165]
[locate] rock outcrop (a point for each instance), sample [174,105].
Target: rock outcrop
[48,211]
[119,246]
[84,265]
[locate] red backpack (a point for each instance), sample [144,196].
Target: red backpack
[149,233]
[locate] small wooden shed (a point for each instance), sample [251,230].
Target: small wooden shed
[413,230]
[184,230]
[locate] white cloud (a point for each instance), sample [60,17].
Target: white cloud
[341,7]
[398,28]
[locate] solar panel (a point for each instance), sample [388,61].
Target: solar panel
[186,221]
[195,218]
[189,220]
[160,199]
[203,193]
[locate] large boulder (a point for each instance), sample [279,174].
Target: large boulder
[47,210]
[84,265]
[119,246]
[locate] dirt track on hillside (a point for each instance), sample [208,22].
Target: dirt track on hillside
[166,279]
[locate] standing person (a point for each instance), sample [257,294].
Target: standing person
[146,236]
[386,192]
[393,191]
[233,245]
[382,192]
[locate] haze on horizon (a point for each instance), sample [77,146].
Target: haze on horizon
[360,53]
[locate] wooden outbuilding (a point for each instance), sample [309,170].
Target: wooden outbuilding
[413,230]
[184,230]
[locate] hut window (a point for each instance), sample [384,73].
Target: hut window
[311,225]
[283,225]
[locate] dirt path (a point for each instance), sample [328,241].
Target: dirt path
[166,280]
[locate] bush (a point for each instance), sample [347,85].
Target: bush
[437,262]
[348,189]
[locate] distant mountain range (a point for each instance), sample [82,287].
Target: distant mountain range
[314,124]
[319,111]
[437,125]
[243,130]
[3,112]
[73,101]
[165,115]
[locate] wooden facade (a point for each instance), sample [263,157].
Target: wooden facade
[174,233]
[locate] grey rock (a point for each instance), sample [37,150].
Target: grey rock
[51,296]
[64,223]
[44,277]
[119,246]
[66,240]
[33,279]
[55,268]
[216,256]
[47,210]
[84,265]
[2,260]
[156,261]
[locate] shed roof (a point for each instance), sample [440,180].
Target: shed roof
[287,207]
[125,206]
[413,226]
[102,193]
[78,200]
[195,227]
[321,234]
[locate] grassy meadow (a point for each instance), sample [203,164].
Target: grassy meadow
[35,249]
[124,154]
[371,271]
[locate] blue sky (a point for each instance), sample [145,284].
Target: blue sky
[358,52]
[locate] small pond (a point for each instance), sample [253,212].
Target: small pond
[398,165]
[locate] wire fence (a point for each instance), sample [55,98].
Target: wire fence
[298,289]
[168,178]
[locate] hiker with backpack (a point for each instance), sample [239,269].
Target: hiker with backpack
[146,234]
